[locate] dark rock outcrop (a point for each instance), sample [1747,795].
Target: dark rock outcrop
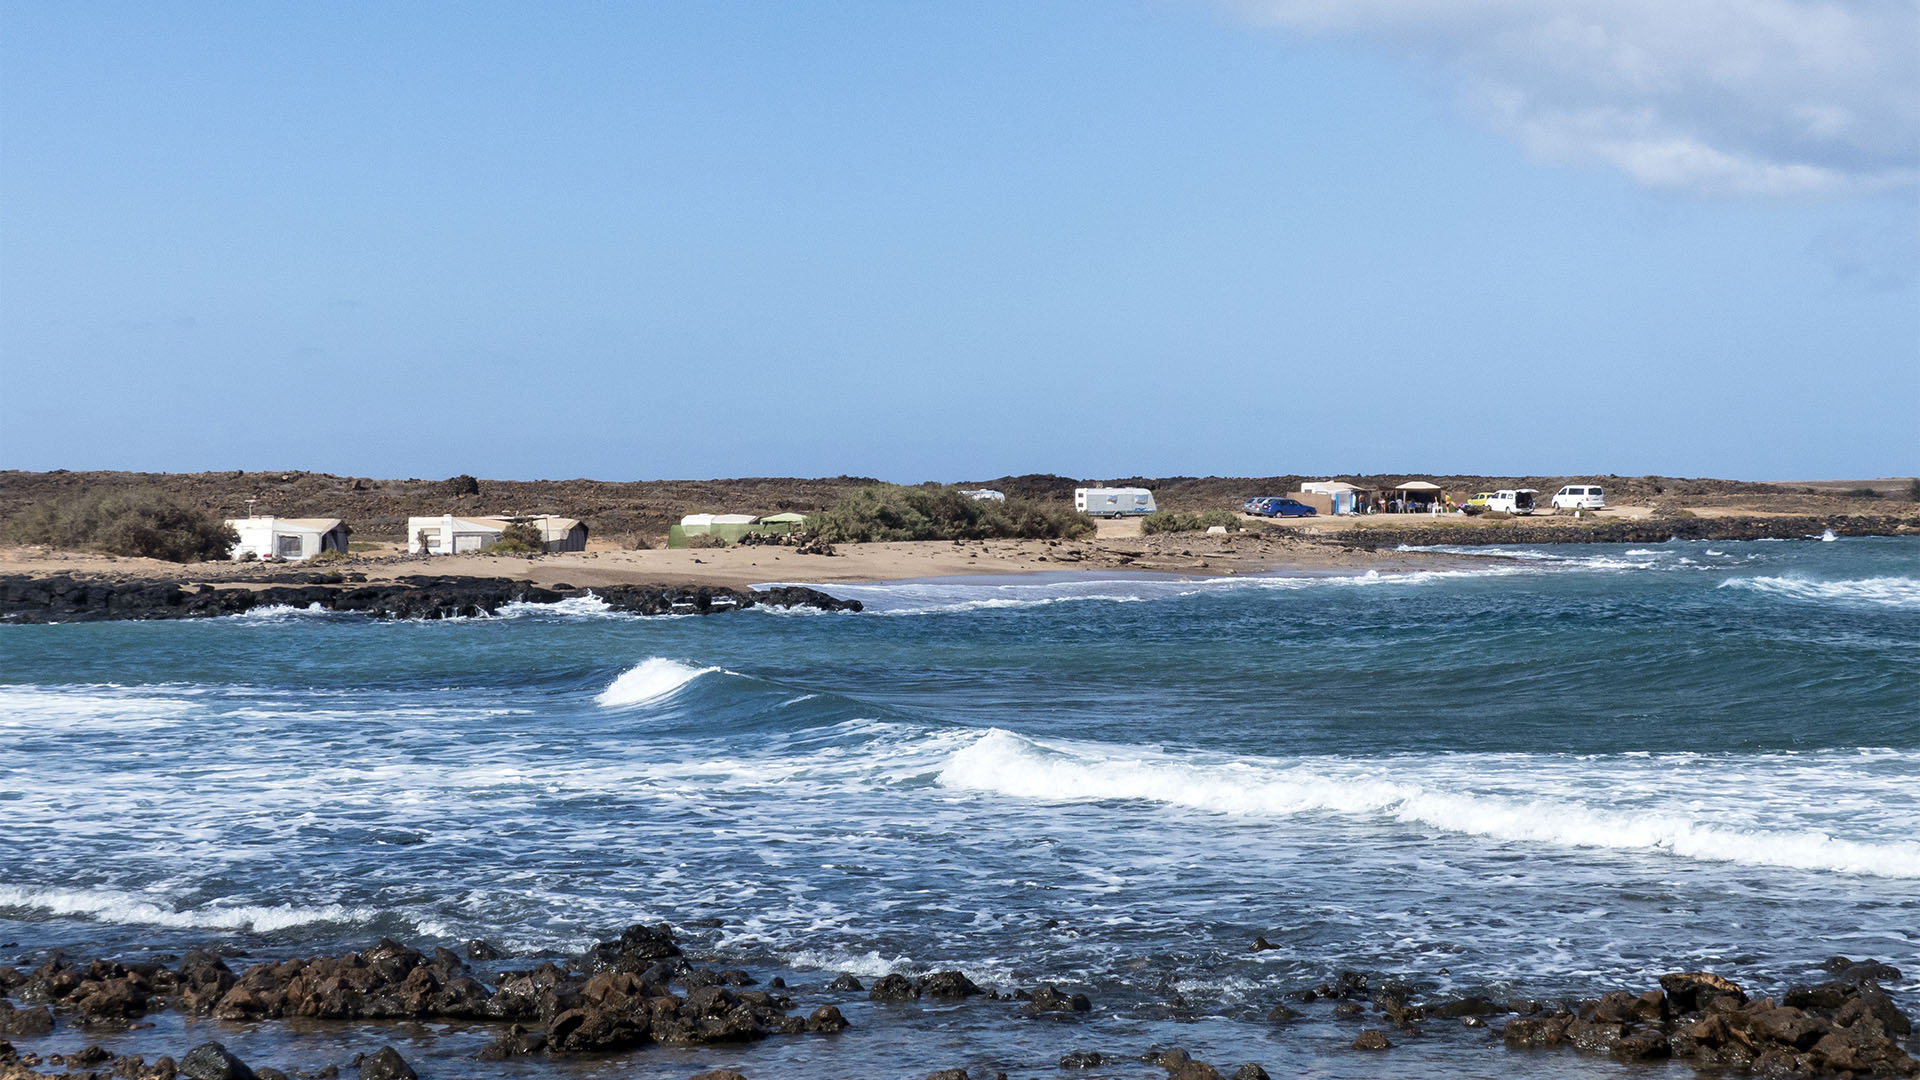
[211,1061]
[1832,1028]
[63,598]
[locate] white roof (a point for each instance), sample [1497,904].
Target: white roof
[1417,485]
[1328,487]
[718,519]
[318,525]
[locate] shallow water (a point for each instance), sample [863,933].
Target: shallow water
[1574,769]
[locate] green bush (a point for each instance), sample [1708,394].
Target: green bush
[1168,521]
[518,538]
[934,512]
[141,522]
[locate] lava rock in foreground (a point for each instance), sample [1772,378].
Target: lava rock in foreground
[63,598]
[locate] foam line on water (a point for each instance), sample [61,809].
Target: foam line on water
[120,908]
[1003,763]
[1901,592]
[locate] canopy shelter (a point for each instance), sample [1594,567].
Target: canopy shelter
[1413,497]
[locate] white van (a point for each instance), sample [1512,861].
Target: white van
[1580,497]
[1113,502]
[1512,501]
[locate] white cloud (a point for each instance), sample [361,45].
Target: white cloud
[1721,97]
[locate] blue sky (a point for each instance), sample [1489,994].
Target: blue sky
[954,241]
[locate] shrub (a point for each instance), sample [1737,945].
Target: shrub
[327,558]
[142,522]
[1167,521]
[707,540]
[933,512]
[518,538]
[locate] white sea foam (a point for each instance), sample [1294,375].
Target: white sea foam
[279,612]
[651,680]
[1007,764]
[1902,592]
[120,907]
[588,606]
[30,706]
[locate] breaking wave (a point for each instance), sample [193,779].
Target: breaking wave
[651,680]
[1902,592]
[120,908]
[1007,764]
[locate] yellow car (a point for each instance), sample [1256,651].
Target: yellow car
[1479,500]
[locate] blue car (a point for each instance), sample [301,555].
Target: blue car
[1271,506]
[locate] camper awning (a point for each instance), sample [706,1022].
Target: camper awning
[784,519]
[1417,485]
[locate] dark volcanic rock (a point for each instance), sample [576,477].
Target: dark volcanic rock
[639,946]
[894,988]
[1049,999]
[63,598]
[24,1022]
[386,1064]
[948,984]
[210,1061]
[1372,1040]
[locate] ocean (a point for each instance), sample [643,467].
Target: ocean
[1569,771]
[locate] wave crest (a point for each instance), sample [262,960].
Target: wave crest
[651,680]
[1901,592]
[121,908]
[1007,764]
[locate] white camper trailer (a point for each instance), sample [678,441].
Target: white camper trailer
[292,539]
[1113,502]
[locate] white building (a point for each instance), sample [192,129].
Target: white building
[450,535]
[291,539]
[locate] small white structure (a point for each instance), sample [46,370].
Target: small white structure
[449,535]
[1342,497]
[1113,502]
[986,495]
[291,539]
[695,524]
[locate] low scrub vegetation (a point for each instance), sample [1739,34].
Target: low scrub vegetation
[1168,521]
[935,512]
[142,522]
[518,538]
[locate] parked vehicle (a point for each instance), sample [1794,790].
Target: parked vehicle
[1479,500]
[1580,497]
[1512,501]
[1113,502]
[1274,506]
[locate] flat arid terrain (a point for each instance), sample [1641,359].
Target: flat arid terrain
[628,521]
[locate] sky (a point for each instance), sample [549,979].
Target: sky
[956,241]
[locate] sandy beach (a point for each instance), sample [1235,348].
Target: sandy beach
[1118,547]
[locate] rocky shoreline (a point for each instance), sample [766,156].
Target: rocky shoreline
[1656,530]
[65,598]
[640,990]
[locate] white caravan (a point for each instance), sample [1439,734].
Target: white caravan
[1113,502]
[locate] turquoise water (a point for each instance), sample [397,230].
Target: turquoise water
[1575,769]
